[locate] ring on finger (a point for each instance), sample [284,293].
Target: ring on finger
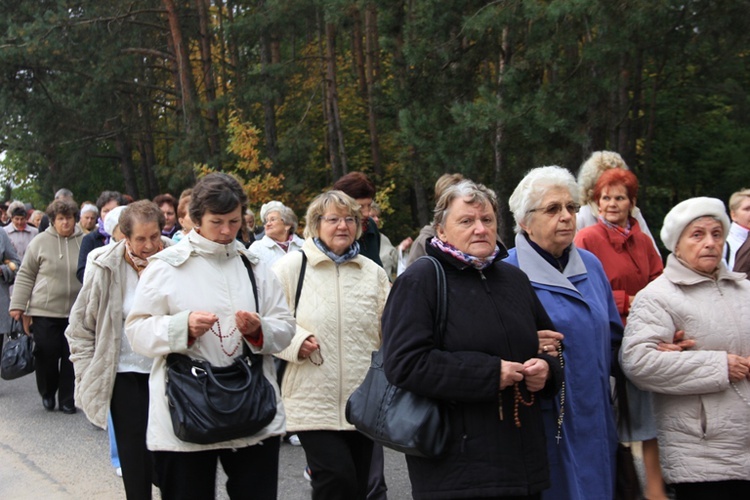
[545,348]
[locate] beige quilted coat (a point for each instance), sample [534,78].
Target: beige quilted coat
[703,423]
[341,306]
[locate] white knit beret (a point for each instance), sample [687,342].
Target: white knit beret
[113,218]
[686,212]
[271,206]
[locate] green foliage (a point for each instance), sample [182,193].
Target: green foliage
[88,86]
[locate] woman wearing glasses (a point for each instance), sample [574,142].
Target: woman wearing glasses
[631,263]
[576,294]
[280,225]
[331,349]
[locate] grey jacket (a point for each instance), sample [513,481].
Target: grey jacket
[46,284]
[8,256]
[703,421]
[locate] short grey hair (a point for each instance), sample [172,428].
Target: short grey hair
[63,193]
[287,216]
[532,188]
[469,191]
[322,203]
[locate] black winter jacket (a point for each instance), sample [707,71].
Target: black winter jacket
[493,314]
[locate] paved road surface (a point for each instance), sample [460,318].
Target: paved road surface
[50,456]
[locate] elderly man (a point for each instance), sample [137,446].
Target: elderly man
[739,211]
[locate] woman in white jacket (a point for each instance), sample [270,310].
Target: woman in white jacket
[280,225]
[338,326]
[701,395]
[196,298]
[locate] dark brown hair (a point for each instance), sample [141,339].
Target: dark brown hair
[218,193]
[356,184]
[67,208]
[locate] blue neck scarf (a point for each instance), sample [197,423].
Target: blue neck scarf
[352,252]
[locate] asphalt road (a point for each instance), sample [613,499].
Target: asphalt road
[50,455]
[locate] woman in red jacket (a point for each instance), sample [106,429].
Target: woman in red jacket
[631,262]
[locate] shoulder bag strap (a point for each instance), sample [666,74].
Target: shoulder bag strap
[300,280]
[252,281]
[442,302]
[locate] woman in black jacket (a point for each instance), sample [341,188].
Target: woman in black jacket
[490,371]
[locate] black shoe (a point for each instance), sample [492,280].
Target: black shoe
[68,408]
[49,403]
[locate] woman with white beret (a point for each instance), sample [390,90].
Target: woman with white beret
[701,395]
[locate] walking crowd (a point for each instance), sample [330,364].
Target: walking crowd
[547,360]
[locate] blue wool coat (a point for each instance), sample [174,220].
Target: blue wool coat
[580,303]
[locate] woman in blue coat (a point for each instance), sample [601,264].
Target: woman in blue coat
[572,286]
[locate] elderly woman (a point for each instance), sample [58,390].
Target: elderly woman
[598,163]
[9,264]
[109,375]
[196,298]
[88,217]
[489,361]
[45,289]
[338,326]
[280,225]
[575,292]
[168,206]
[631,263]
[106,202]
[702,395]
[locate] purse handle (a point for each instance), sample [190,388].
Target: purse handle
[241,402]
[442,300]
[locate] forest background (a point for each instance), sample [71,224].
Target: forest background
[143,96]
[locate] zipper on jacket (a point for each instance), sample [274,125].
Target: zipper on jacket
[338,322]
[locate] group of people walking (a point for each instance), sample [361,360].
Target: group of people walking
[533,338]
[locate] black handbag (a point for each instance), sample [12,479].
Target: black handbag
[18,353]
[394,417]
[210,404]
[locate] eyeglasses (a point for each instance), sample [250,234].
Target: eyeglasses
[271,220]
[554,209]
[335,220]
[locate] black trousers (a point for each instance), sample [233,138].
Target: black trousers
[54,371]
[252,472]
[376,487]
[129,407]
[339,462]
[713,489]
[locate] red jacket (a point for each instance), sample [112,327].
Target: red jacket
[631,262]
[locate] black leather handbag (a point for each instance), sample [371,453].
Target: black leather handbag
[394,417]
[18,353]
[210,404]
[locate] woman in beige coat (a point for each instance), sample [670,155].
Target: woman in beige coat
[109,375]
[338,326]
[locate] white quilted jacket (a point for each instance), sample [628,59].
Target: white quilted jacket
[703,423]
[341,306]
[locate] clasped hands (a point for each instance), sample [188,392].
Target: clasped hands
[200,322]
[534,371]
